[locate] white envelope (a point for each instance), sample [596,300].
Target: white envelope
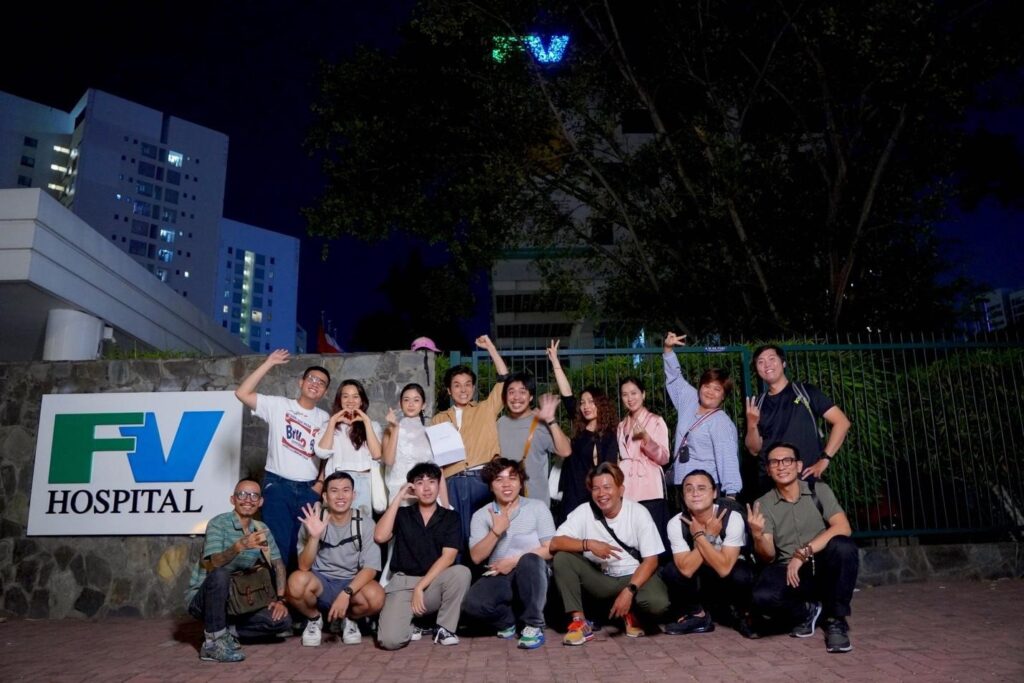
[446,442]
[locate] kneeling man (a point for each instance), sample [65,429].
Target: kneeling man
[426,579]
[804,536]
[511,535]
[337,564]
[706,567]
[609,548]
[235,542]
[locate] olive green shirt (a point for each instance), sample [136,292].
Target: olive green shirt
[793,525]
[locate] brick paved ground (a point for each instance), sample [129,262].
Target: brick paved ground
[921,632]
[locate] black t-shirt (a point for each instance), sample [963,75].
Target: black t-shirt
[785,418]
[577,465]
[417,547]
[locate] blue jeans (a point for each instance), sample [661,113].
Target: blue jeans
[210,605]
[467,493]
[282,506]
[493,599]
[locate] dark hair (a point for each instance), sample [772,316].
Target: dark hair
[701,473]
[424,469]
[606,418]
[413,386]
[783,444]
[318,368]
[609,468]
[632,379]
[356,430]
[497,465]
[451,372]
[524,378]
[766,347]
[716,375]
[244,479]
[338,474]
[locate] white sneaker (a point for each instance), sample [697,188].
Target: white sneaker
[313,634]
[443,636]
[350,634]
[416,633]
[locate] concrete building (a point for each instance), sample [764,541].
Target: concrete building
[993,310]
[257,282]
[65,288]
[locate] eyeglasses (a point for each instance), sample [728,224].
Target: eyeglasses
[316,381]
[690,490]
[780,462]
[248,495]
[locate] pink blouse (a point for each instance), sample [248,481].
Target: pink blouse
[641,461]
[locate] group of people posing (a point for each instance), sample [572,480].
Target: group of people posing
[476,540]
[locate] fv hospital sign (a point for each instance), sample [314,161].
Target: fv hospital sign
[152,464]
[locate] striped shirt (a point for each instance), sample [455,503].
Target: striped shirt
[221,533]
[531,525]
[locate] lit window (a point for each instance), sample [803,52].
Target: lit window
[224,309]
[175,158]
[257,316]
[62,150]
[58,167]
[55,187]
[185,273]
[164,255]
[161,274]
[166,235]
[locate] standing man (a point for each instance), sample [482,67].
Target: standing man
[235,542]
[426,579]
[609,549]
[707,568]
[477,425]
[803,535]
[511,535]
[292,468]
[789,412]
[338,564]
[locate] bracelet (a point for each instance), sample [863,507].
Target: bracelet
[496,534]
[699,534]
[584,545]
[551,423]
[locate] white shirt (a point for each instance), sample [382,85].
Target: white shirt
[633,525]
[293,431]
[412,448]
[342,456]
[734,533]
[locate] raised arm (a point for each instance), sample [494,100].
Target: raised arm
[680,392]
[564,388]
[246,391]
[484,342]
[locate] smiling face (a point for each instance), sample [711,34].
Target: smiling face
[632,397]
[412,403]
[338,496]
[312,388]
[426,490]
[712,394]
[607,495]
[588,408]
[246,499]
[698,493]
[506,486]
[770,367]
[517,399]
[783,467]
[461,389]
[351,401]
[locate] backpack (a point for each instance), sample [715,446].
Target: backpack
[357,538]
[730,506]
[805,399]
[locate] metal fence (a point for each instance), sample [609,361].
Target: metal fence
[938,426]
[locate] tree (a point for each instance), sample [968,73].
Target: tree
[762,167]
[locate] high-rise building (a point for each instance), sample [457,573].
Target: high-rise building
[993,310]
[257,285]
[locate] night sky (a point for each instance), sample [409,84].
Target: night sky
[249,70]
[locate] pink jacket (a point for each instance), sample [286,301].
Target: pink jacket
[641,461]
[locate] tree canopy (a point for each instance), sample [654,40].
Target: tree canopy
[717,166]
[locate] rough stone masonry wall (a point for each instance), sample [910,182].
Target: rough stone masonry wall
[95,576]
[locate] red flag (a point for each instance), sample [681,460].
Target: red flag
[325,343]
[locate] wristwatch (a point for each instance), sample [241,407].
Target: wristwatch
[348,589]
[633,588]
[825,456]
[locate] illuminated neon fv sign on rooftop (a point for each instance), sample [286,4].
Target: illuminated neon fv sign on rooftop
[550,53]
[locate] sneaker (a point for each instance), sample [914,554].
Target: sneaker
[507,633]
[633,627]
[691,623]
[220,650]
[746,628]
[350,634]
[806,628]
[445,637]
[579,632]
[312,635]
[531,638]
[417,632]
[837,638]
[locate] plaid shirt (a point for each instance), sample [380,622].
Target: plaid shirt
[221,533]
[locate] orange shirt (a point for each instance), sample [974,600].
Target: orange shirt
[479,430]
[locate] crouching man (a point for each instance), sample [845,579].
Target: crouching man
[425,579]
[511,535]
[337,565]
[804,536]
[609,549]
[235,542]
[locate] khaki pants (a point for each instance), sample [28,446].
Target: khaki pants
[443,596]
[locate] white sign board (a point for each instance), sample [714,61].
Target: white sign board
[152,464]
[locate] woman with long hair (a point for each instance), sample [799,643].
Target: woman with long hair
[405,442]
[593,435]
[351,441]
[642,437]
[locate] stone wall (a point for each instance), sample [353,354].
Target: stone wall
[96,576]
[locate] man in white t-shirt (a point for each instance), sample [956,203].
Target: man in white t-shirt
[609,549]
[707,568]
[292,468]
